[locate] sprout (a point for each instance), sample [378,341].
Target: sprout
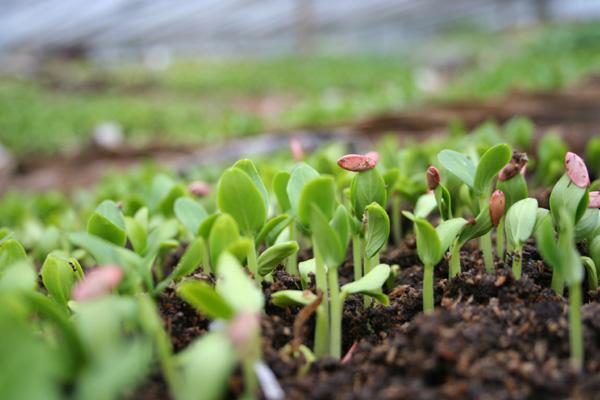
[520,224]
[576,170]
[497,205]
[98,282]
[433,178]
[357,162]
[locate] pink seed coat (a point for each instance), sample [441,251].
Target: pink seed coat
[433,178]
[199,188]
[356,162]
[97,282]
[497,204]
[576,170]
[374,156]
[594,199]
[296,148]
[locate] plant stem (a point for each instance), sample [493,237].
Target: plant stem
[575,327]
[427,288]
[357,256]
[396,219]
[517,261]
[485,244]
[252,262]
[557,282]
[368,266]
[500,240]
[322,328]
[335,339]
[291,266]
[250,381]
[454,264]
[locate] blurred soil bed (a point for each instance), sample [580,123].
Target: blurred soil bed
[573,112]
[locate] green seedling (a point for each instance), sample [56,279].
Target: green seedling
[591,271]
[551,152]
[432,244]
[511,181]
[566,262]
[59,275]
[237,301]
[479,179]
[520,225]
[441,193]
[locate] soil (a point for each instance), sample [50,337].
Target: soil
[490,337]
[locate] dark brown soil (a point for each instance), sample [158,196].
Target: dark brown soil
[490,337]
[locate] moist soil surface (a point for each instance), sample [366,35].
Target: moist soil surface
[490,337]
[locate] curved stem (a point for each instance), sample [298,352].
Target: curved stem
[454,263]
[428,288]
[322,325]
[335,339]
[575,328]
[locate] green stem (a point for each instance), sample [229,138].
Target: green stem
[557,282]
[575,327]
[252,262]
[500,240]
[396,219]
[335,339]
[485,244]
[367,262]
[454,263]
[427,288]
[322,328]
[517,261]
[291,266]
[250,381]
[357,256]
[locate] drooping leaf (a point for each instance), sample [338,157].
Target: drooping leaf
[448,231]
[274,255]
[190,213]
[205,366]
[317,193]
[224,232]
[490,164]
[107,222]
[286,298]
[238,195]
[59,275]
[458,165]
[236,287]
[280,185]
[327,240]
[520,221]
[367,187]
[301,174]
[204,298]
[378,229]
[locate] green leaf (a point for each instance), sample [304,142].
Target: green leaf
[444,201]
[107,222]
[138,236]
[190,213]
[309,267]
[274,255]
[570,260]
[587,225]
[11,252]
[206,366]
[206,225]
[594,249]
[238,290]
[341,224]
[425,205]
[570,197]
[367,187]
[378,229]
[280,185]
[429,247]
[448,231]
[164,193]
[105,252]
[240,248]
[490,164]
[194,255]
[545,237]
[371,282]
[273,227]
[248,167]
[591,272]
[390,177]
[482,225]
[286,298]
[458,165]
[239,196]
[520,221]
[204,298]
[301,174]
[514,189]
[224,232]
[318,193]
[59,275]
[327,240]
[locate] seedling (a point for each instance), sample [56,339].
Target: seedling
[432,244]
[520,224]
[479,180]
